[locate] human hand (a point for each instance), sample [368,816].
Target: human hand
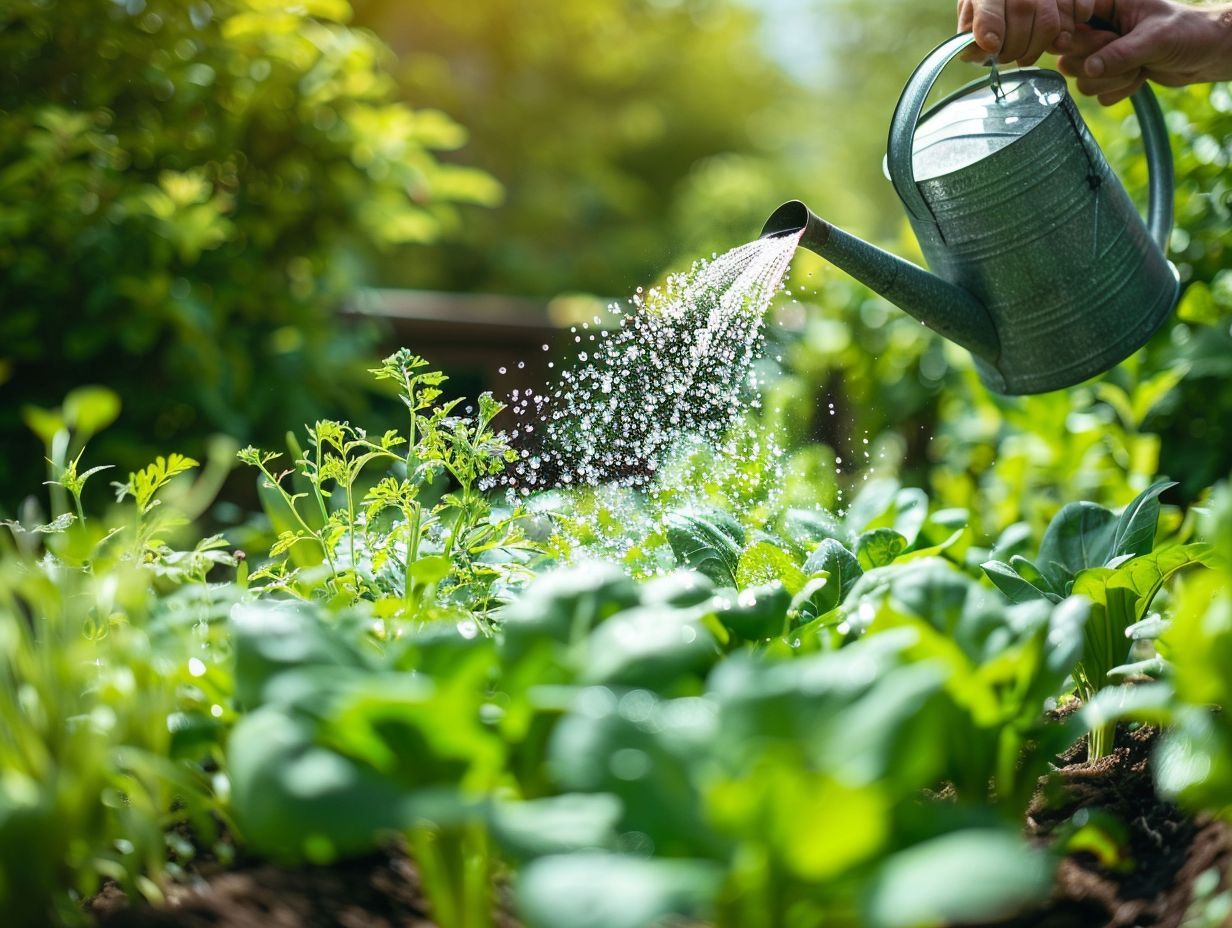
[1169,43]
[1021,30]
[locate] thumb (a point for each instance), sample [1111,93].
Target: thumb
[1121,56]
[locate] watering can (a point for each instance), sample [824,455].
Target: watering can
[1041,266]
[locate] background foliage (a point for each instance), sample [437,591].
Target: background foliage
[186,191]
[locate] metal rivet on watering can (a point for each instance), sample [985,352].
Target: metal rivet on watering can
[1040,264]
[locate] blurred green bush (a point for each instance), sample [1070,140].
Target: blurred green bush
[187,191]
[604,120]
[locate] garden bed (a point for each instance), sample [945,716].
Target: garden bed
[1144,880]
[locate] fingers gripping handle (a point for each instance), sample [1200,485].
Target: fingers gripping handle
[906,117]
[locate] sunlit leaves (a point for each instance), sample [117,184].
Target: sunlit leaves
[398,537]
[144,484]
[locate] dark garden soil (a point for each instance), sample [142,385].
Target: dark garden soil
[1165,851]
[381,890]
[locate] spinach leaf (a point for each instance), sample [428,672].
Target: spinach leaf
[703,544]
[839,563]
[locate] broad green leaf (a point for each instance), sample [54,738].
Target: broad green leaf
[840,564]
[1013,541]
[817,597]
[940,547]
[271,637]
[872,505]
[649,647]
[1032,574]
[1193,762]
[1102,835]
[677,590]
[756,612]
[765,562]
[1080,536]
[705,545]
[1064,642]
[1154,667]
[1153,626]
[910,513]
[879,547]
[785,807]
[561,607]
[1148,393]
[966,876]
[600,890]
[640,748]
[44,423]
[1135,531]
[1197,305]
[1009,582]
[557,824]
[295,800]
[431,569]
[1112,612]
[1146,702]
[1145,576]
[807,527]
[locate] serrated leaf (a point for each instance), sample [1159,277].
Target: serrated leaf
[54,527]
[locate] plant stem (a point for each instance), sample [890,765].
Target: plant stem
[290,503]
[456,868]
[1101,741]
[412,549]
[351,532]
[425,845]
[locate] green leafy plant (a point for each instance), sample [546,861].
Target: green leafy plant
[398,541]
[1091,552]
[111,696]
[216,175]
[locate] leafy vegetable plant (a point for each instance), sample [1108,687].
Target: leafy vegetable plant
[1111,560]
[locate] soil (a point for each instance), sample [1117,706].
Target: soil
[381,890]
[1164,850]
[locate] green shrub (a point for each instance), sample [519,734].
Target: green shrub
[187,191]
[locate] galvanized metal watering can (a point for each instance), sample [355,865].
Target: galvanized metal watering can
[1041,265]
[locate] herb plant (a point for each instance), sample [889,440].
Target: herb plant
[402,541]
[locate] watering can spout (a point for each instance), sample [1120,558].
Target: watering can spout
[940,305]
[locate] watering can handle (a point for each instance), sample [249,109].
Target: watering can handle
[911,104]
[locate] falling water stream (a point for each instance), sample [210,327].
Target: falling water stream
[678,364]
